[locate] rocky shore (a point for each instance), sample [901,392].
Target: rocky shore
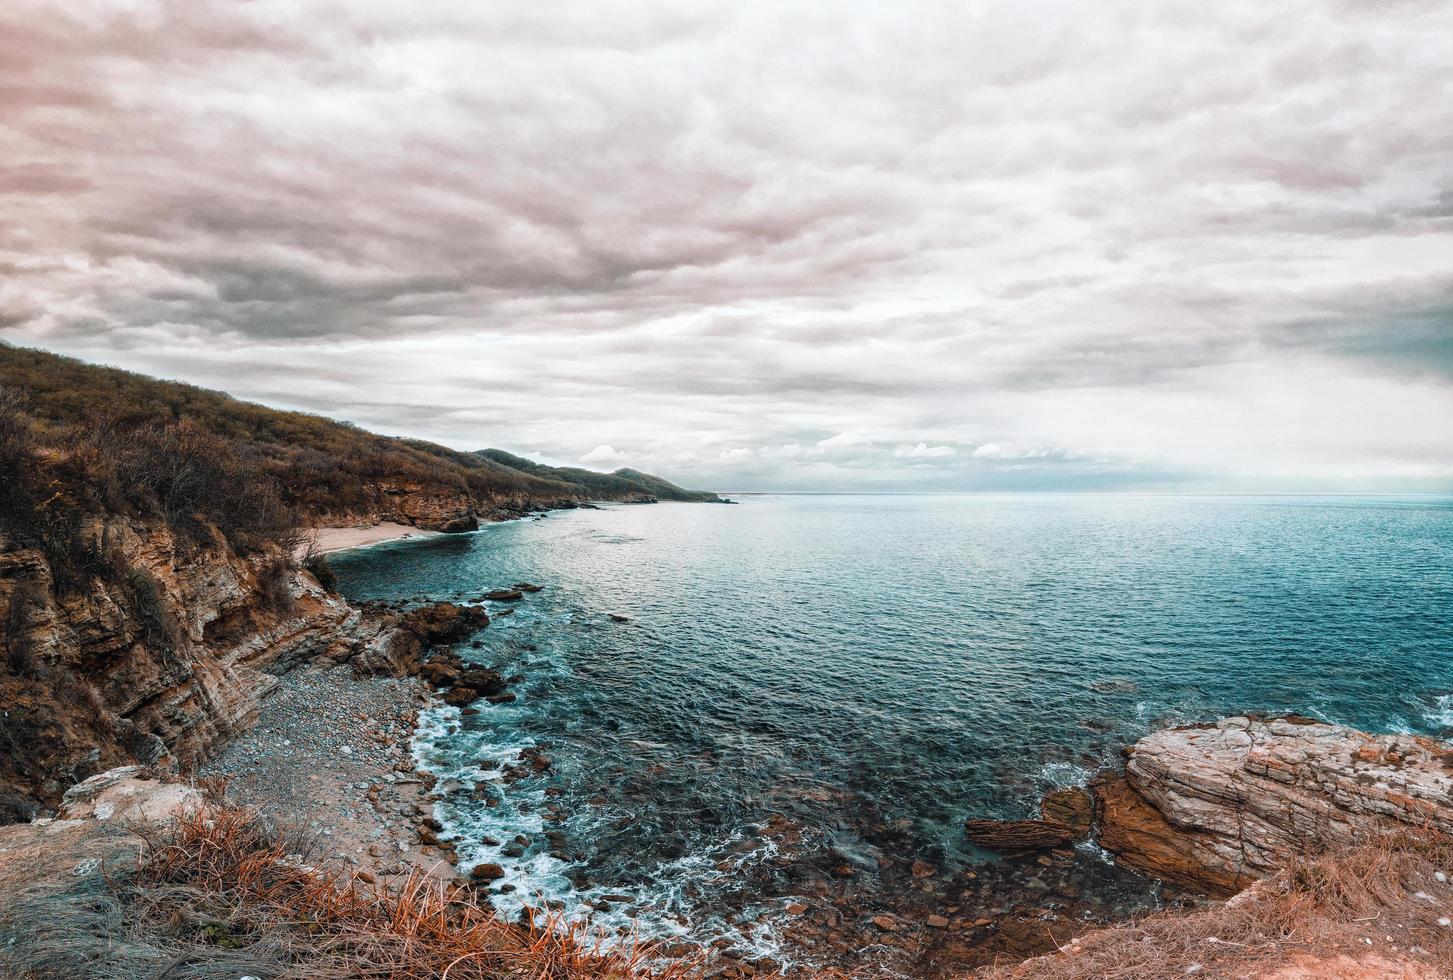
[330,755]
[250,670]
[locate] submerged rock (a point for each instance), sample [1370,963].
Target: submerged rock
[1018,835]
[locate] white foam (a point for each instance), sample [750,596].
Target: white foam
[677,903]
[1440,714]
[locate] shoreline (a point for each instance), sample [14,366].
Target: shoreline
[329,540]
[330,754]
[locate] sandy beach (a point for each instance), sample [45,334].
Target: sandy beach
[342,538]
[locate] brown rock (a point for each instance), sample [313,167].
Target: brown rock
[922,869]
[504,595]
[1073,807]
[937,922]
[460,696]
[481,679]
[444,622]
[886,923]
[1215,807]
[489,871]
[1017,835]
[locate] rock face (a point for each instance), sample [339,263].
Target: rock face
[1216,807]
[165,651]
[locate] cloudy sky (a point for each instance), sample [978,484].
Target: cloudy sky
[957,245]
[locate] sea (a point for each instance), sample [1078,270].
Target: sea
[723,693]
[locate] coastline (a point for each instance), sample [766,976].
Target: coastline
[332,539]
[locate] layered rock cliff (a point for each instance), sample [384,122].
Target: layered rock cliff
[164,654]
[1216,807]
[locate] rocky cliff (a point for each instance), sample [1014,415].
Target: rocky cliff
[165,653]
[1216,807]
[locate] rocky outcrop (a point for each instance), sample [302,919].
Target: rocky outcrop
[164,651]
[128,794]
[1216,807]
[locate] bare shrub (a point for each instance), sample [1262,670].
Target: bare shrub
[316,563]
[275,585]
[15,633]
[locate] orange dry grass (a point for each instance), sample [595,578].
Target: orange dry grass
[220,869]
[1380,899]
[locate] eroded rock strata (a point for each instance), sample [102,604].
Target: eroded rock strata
[1216,807]
[166,653]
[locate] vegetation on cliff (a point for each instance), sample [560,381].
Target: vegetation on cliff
[137,443]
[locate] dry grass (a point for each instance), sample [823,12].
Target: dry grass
[219,896]
[1382,898]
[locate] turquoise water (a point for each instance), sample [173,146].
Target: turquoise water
[873,669]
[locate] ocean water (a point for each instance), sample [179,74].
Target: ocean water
[852,676]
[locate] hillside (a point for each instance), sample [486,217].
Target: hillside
[321,471]
[622,484]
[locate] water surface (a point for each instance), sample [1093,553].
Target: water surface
[873,669]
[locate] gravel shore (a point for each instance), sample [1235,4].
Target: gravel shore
[330,754]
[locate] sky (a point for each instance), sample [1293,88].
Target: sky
[832,246]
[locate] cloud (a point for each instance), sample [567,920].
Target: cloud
[691,228]
[989,450]
[602,455]
[924,451]
[843,440]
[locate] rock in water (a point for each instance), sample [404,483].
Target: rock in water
[1073,807]
[1018,835]
[1218,806]
[488,871]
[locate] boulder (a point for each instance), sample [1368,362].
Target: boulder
[481,679]
[444,622]
[130,795]
[440,673]
[460,697]
[489,871]
[504,595]
[1218,806]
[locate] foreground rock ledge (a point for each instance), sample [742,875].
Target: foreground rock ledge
[1216,807]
